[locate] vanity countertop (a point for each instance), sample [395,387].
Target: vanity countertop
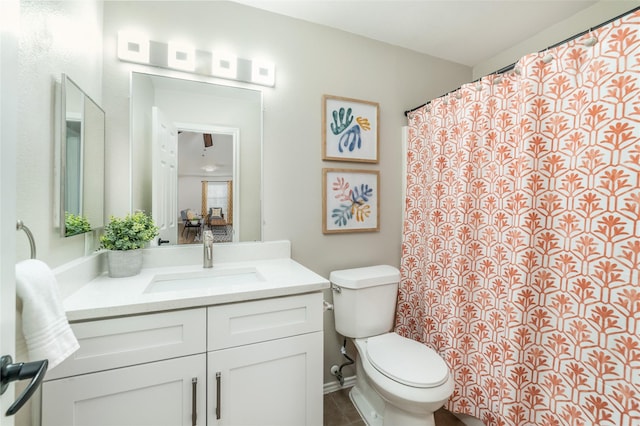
[108,297]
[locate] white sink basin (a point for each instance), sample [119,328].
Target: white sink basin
[207,278]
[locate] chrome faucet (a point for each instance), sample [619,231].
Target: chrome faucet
[207,243]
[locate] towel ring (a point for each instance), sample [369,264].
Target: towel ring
[32,243]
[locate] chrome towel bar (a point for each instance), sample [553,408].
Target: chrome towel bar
[32,243]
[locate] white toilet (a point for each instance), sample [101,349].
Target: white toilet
[398,380]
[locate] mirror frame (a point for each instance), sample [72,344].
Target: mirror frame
[86,191]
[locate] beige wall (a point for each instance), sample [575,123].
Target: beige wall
[595,15]
[55,37]
[310,60]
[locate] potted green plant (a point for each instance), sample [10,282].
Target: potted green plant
[123,237]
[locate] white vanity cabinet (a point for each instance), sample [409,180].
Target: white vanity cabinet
[247,363]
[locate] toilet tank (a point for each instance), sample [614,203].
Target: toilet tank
[364,300]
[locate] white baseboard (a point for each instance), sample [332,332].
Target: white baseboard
[334,385]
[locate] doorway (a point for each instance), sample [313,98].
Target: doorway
[207,173]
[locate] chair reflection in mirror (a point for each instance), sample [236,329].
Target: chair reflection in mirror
[190,222]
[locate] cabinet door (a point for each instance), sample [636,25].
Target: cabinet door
[154,394]
[278,382]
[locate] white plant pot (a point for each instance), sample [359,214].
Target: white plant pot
[124,263]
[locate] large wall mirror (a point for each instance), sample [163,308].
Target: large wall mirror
[82,136]
[196,158]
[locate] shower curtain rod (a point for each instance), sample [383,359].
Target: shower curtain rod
[511,66]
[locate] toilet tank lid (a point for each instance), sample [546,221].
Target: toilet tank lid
[369,276]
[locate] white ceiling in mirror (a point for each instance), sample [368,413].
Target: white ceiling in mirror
[196,159]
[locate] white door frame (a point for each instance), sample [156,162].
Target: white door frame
[9,24]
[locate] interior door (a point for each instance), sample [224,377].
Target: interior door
[11,370]
[165,176]
[9,17]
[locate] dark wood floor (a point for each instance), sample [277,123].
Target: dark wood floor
[339,411]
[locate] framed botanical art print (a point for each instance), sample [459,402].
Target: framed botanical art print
[350,200]
[349,130]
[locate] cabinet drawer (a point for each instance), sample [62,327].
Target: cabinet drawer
[120,342]
[243,323]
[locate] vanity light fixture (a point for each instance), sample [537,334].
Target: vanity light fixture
[224,65]
[133,47]
[181,57]
[263,72]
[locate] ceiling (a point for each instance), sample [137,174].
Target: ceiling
[196,160]
[467,32]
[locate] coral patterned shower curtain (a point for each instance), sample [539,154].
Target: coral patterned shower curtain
[521,247]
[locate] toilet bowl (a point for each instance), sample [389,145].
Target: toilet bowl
[412,381]
[398,381]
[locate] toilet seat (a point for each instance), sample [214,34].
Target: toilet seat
[406,361]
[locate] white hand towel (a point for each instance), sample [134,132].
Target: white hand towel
[46,331]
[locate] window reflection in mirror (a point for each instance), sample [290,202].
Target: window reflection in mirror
[201,108]
[82,161]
